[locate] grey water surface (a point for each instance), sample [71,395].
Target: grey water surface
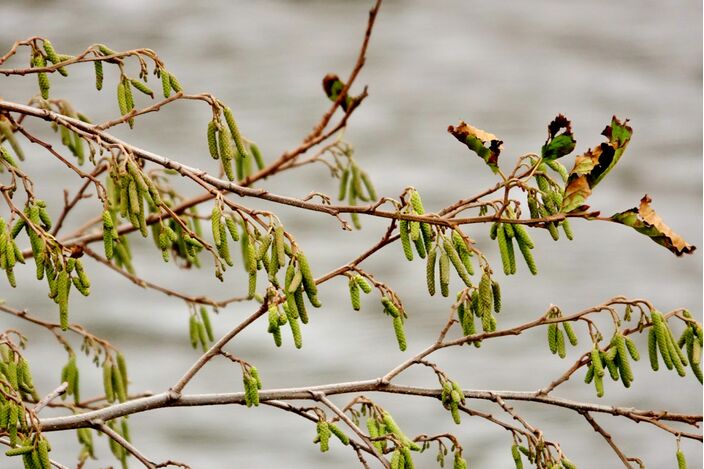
[507,67]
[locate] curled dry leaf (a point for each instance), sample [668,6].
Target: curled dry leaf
[484,144]
[644,220]
[590,168]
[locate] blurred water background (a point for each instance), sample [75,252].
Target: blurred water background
[507,67]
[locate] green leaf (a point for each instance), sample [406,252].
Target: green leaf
[558,143]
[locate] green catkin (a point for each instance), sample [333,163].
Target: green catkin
[175,85]
[678,359]
[662,338]
[216,224]
[20,450]
[212,135]
[503,243]
[596,362]
[652,349]
[165,83]
[419,243]
[623,363]
[193,331]
[118,386]
[324,433]
[552,337]
[567,229]
[496,293]
[295,327]
[279,244]
[526,251]
[142,87]
[226,152]
[589,376]
[430,271]
[122,98]
[567,464]
[444,266]
[363,284]
[42,77]
[571,336]
[234,130]
[335,430]
[98,66]
[414,230]
[516,454]
[403,230]
[354,294]
[308,280]
[681,462]
[610,359]
[632,350]
[300,305]
[561,352]
[456,261]
[107,382]
[400,334]
[343,184]
[368,185]
[205,319]
[390,307]
[122,367]
[63,285]
[258,159]
[485,296]
[599,385]
[232,228]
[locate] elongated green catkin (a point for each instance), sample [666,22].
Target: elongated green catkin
[496,293]
[308,280]
[107,382]
[571,336]
[653,349]
[279,244]
[212,135]
[516,454]
[400,334]
[234,130]
[295,326]
[324,433]
[63,285]
[142,87]
[632,350]
[681,461]
[335,430]
[122,98]
[354,294]
[552,337]
[175,84]
[527,254]
[403,230]
[98,66]
[42,77]
[456,261]
[503,243]
[165,83]
[205,319]
[623,360]
[363,284]
[257,154]
[596,362]
[430,271]
[662,338]
[485,296]
[444,266]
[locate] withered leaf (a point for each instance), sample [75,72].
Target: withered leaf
[644,220]
[560,141]
[484,144]
[591,167]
